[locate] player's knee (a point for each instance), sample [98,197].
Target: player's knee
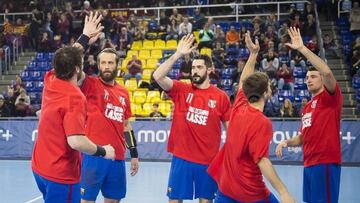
[111,200]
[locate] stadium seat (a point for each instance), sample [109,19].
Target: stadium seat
[147,109]
[174,73]
[286,94]
[159,44]
[356,82]
[156,54]
[148,45]
[124,64]
[226,73]
[137,45]
[206,51]
[171,44]
[299,72]
[25,76]
[299,84]
[165,107]
[131,84]
[226,83]
[146,75]
[153,97]
[152,63]
[139,96]
[120,81]
[144,54]
[130,53]
[225,27]
[136,109]
[300,94]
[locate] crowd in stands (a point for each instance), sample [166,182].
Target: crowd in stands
[51,29]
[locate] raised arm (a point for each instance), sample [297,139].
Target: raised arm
[160,74]
[320,65]
[250,63]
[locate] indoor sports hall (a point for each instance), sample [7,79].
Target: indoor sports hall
[148,33]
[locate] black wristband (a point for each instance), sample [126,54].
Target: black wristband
[134,152]
[84,41]
[100,151]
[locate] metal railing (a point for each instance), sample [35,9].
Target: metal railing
[7,59]
[319,35]
[15,49]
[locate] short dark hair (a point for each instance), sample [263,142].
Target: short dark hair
[312,68]
[111,51]
[65,61]
[255,86]
[207,60]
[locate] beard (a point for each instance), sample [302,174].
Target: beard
[197,79]
[108,76]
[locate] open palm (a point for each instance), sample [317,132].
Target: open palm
[185,45]
[253,48]
[296,40]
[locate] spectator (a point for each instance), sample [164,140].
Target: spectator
[313,45]
[85,11]
[355,19]
[355,63]
[299,110]
[283,31]
[271,21]
[22,104]
[236,74]
[185,27]
[219,36]
[90,66]
[107,22]
[232,38]
[185,68]
[296,22]
[198,20]
[270,64]
[46,44]
[176,16]
[257,30]
[156,113]
[64,27]
[330,47]
[206,37]
[297,61]
[70,15]
[119,22]
[35,25]
[271,34]
[47,25]
[134,67]
[309,28]
[125,40]
[164,21]
[287,109]
[218,55]
[172,30]
[140,31]
[211,23]
[286,78]
[282,48]
[309,9]
[4,109]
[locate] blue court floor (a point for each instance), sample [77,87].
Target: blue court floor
[149,185]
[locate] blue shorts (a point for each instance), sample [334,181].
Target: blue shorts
[184,176]
[102,174]
[57,192]
[221,198]
[321,183]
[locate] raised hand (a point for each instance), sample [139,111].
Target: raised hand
[253,48]
[185,45]
[296,40]
[93,27]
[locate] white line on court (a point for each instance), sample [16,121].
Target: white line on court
[33,200]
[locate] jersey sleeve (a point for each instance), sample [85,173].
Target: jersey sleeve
[259,144]
[176,89]
[75,116]
[240,98]
[226,108]
[333,99]
[87,84]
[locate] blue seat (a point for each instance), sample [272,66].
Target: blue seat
[38,86]
[247,24]
[300,94]
[226,73]
[226,84]
[286,94]
[40,57]
[299,72]
[25,76]
[244,53]
[224,26]
[36,75]
[299,84]
[29,86]
[173,74]
[356,82]
[32,66]
[237,25]
[232,51]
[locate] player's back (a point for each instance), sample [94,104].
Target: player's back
[62,115]
[235,167]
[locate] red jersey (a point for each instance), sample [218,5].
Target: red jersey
[108,108]
[235,167]
[63,114]
[196,128]
[320,128]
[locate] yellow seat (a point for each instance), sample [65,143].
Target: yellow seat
[160,44]
[143,63]
[196,35]
[131,97]
[144,54]
[152,63]
[131,84]
[139,96]
[156,54]
[124,64]
[148,45]
[153,97]
[120,81]
[165,108]
[171,44]
[130,53]
[206,51]
[137,45]
[136,109]
[146,75]
[147,109]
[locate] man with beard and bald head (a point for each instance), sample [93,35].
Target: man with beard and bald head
[195,134]
[107,122]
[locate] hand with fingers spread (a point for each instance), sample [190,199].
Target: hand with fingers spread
[93,27]
[296,40]
[253,48]
[185,45]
